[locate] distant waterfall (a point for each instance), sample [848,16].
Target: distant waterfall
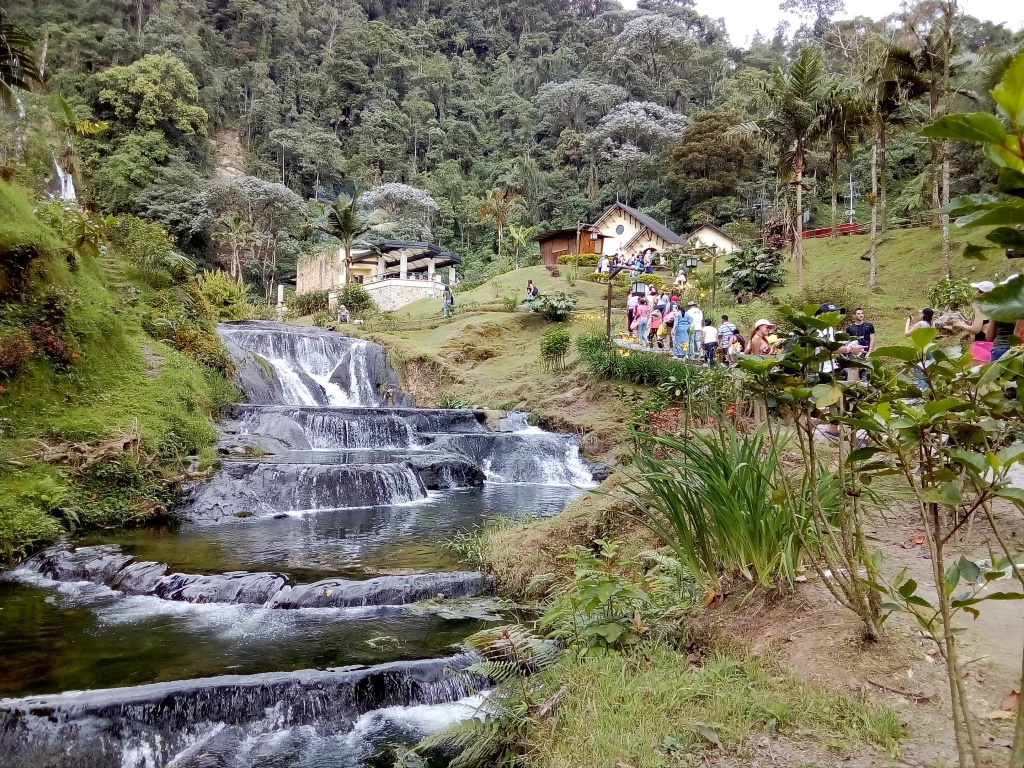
[64,183]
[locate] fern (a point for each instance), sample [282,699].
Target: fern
[511,656]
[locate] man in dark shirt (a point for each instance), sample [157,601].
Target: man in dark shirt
[864,332]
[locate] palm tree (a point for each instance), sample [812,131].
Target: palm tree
[18,69]
[238,234]
[793,106]
[844,116]
[347,223]
[499,205]
[71,128]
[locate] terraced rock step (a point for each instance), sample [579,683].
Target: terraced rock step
[108,566]
[151,724]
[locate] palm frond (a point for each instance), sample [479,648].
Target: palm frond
[18,68]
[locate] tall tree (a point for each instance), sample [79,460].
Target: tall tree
[894,82]
[793,105]
[845,115]
[347,222]
[18,68]
[498,206]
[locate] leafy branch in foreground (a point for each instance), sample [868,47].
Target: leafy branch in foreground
[511,657]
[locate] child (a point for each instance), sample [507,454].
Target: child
[641,320]
[655,325]
[710,341]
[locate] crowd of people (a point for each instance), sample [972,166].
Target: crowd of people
[641,263]
[659,320]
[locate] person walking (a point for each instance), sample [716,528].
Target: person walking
[696,328]
[725,332]
[759,345]
[656,327]
[681,336]
[631,305]
[531,290]
[710,335]
[449,302]
[864,333]
[641,322]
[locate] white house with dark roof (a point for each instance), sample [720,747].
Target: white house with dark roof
[708,235]
[627,230]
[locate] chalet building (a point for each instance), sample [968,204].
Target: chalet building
[708,235]
[568,242]
[394,273]
[626,230]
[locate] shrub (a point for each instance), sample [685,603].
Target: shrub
[149,249]
[51,345]
[308,303]
[813,295]
[554,347]
[357,299]
[711,499]
[261,311]
[586,259]
[621,279]
[448,400]
[556,307]
[754,270]
[951,293]
[322,318]
[229,299]
[15,350]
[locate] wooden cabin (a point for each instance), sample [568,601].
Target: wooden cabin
[563,242]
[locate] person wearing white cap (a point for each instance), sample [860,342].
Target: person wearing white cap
[979,320]
[759,344]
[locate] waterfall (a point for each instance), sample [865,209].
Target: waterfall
[314,367]
[65,182]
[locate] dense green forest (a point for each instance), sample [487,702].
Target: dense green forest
[426,106]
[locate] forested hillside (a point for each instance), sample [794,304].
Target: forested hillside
[571,104]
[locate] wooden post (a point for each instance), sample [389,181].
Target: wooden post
[576,270]
[612,272]
[714,277]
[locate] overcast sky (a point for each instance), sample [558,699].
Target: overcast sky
[744,17]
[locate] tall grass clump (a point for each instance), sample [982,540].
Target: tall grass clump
[711,499]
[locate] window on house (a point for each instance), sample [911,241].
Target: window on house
[620,229]
[359,279]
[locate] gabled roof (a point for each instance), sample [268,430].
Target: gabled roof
[650,222]
[565,232]
[712,226]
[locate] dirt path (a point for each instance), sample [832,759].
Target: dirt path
[822,642]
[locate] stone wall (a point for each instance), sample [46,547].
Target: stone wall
[395,293]
[316,273]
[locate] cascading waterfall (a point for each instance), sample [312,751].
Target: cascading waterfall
[65,183]
[314,369]
[319,518]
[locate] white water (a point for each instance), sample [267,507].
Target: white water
[67,183]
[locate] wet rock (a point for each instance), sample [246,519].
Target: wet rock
[165,720]
[445,471]
[385,590]
[236,587]
[253,375]
[266,488]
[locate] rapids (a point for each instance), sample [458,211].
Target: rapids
[301,609]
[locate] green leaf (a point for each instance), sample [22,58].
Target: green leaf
[897,352]
[1011,182]
[1006,237]
[959,206]
[907,588]
[826,394]
[946,494]
[1005,596]
[606,590]
[708,733]
[922,337]
[1011,454]
[969,570]
[935,407]
[1009,93]
[1005,302]
[863,454]
[975,252]
[982,127]
[969,458]
[1015,495]
[951,577]
[1002,156]
[1008,211]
